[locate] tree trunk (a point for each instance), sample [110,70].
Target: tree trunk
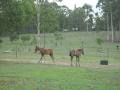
[112,27]
[87,26]
[108,29]
[38,22]
[119,31]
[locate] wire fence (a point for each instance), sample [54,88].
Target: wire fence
[28,52]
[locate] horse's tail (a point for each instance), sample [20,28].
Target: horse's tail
[52,54]
[70,54]
[53,59]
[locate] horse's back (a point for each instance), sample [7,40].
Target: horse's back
[78,53]
[75,52]
[49,51]
[72,53]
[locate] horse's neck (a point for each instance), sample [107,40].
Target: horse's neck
[80,50]
[41,50]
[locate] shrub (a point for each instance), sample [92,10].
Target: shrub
[25,38]
[13,37]
[34,40]
[1,41]
[99,41]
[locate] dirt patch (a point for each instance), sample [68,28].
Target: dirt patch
[62,63]
[6,82]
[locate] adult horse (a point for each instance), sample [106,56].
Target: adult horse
[76,53]
[44,51]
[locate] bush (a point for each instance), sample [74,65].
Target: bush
[13,37]
[1,41]
[25,38]
[99,41]
[34,41]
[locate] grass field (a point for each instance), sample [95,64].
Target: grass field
[23,72]
[53,77]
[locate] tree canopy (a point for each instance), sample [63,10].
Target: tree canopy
[17,15]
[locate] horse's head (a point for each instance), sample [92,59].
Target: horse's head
[36,49]
[82,51]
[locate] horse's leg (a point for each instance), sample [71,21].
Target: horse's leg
[76,60]
[52,58]
[71,60]
[79,61]
[44,59]
[40,61]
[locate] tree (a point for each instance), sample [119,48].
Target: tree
[47,22]
[88,16]
[63,13]
[25,38]
[16,14]
[99,23]
[111,7]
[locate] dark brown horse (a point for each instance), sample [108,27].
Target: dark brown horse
[76,53]
[44,51]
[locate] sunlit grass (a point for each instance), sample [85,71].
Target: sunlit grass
[15,75]
[52,77]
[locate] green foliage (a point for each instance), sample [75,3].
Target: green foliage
[25,38]
[1,41]
[100,24]
[99,41]
[109,7]
[77,19]
[34,41]
[63,13]
[16,14]
[14,37]
[47,22]
[22,13]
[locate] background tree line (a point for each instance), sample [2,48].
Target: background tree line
[109,20]
[20,16]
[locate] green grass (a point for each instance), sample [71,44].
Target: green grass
[72,40]
[51,77]
[90,76]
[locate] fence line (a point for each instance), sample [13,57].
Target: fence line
[28,51]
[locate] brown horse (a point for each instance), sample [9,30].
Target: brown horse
[44,51]
[76,53]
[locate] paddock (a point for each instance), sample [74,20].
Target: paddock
[48,76]
[19,67]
